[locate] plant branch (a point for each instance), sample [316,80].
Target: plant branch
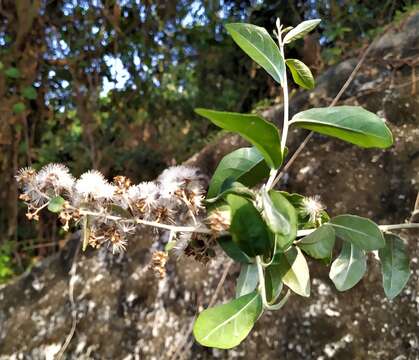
[174,228]
[270,183]
[333,103]
[306,232]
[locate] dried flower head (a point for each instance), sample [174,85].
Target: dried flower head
[201,247]
[24,176]
[219,221]
[122,184]
[158,263]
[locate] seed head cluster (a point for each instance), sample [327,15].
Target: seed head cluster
[111,212]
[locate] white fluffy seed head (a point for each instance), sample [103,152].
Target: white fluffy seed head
[55,176]
[181,244]
[93,184]
[312,207]
[176,178]
[148,192]
[179,173]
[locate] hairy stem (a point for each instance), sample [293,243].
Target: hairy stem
[306,232]
[270,183]
[286,101]
[333,103]
[174,228]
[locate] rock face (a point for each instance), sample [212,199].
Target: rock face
[123,312]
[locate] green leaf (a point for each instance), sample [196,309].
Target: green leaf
[56,204]
[301,73]
[259,132]
[119,211]
[349,267]
[247,280]
[245,165]
[281,217]
[273,282]
[169,246]
[394,265]
[319,244]
[12,72]
[300,30]
[349,123]
[294,271]
[29,92]
[18,108]
[226,326]
[233,250]
[232,188]
[85,231]
[247,227]
[256,42]
[277,222]
[359,231]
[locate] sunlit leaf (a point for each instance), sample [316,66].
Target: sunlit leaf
[294,271]
[300,73]
[247,280]
[300,30]
[256,42]
[245,165]
[349,123]
[261,133]
[232,188]
[275,219]
[226,326]
[281,217]
[359,231]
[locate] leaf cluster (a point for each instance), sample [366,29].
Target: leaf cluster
[272,233]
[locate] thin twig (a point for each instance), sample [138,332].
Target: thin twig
[180,347]
[333,103]
[71,282]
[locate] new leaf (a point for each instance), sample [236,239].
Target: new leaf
[256,42]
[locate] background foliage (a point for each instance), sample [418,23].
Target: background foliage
[111,85]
